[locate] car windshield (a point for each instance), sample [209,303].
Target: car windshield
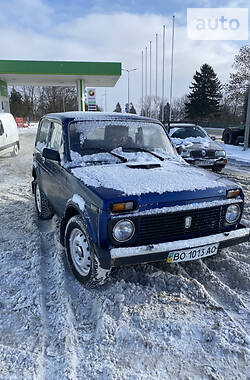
[93,137]
[186,132]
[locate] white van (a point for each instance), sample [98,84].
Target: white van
[9,139]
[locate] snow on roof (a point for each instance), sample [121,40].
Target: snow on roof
[79,115]
[181,125]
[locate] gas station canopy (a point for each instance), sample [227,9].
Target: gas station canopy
[61,73]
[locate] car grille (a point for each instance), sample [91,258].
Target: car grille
[170,227]
[198,154]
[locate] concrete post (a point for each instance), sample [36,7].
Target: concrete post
[4,100]
[80,86]
[247,127]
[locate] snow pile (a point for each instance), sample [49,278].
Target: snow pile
[236,153]
[28,128]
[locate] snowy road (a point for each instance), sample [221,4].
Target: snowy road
[182,321]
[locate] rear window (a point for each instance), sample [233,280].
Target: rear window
[184,133]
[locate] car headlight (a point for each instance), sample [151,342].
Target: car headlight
[185,153]
[123,230]
[220,153]
[233,214]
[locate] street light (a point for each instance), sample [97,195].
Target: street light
[128,71]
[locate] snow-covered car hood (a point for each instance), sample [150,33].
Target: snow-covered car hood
[196,143]
[169,177]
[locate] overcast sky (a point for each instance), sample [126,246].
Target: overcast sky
[118,31]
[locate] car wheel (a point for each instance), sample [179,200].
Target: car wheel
[15,151]
[44,210]
[217,170]
[81,254]
[230,137]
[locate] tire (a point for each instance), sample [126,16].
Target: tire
[15,151]
[230,137]
[81,254]
[217,170]
[44,210]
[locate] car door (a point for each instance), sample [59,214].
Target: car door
[39,160]
[56,189]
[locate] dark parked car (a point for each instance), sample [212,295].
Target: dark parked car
[197,147]
[124,196]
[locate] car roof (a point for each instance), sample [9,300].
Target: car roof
[100,116]
[182,125]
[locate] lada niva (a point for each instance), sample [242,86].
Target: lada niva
[124,196]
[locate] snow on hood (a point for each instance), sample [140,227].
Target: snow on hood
[169,177]
[106,157]
[189,141]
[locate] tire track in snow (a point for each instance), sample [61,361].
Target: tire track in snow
[59,354]
[230,300]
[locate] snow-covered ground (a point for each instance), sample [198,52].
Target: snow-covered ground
[237,154]
[182,321]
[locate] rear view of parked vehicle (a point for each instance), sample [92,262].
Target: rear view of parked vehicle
[9,139]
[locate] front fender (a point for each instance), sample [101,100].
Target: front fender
[76,205]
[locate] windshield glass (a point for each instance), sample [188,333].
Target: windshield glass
[184,133]
[93,137]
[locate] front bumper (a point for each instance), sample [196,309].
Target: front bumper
[157,252]
[207,162]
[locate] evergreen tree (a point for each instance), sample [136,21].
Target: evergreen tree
[117,108]
[205,94]
[132,108]
[16,103]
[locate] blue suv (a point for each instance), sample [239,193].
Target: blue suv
[124,196]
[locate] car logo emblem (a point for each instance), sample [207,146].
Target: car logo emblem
[203,153]
[188,221]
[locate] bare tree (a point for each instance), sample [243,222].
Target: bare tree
[178,108]
[154,103]
[239,82]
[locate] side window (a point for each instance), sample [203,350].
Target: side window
[56,140]
[42,135]
[1,129]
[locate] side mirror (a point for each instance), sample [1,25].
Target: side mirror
[51,154]
[179,149]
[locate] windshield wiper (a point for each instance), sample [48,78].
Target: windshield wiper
[102,150]
[144,150]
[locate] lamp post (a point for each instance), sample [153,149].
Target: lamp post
[128,71]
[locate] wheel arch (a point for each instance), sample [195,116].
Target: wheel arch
[73,210]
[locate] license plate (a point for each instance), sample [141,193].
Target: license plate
[192,254]
[204,163]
